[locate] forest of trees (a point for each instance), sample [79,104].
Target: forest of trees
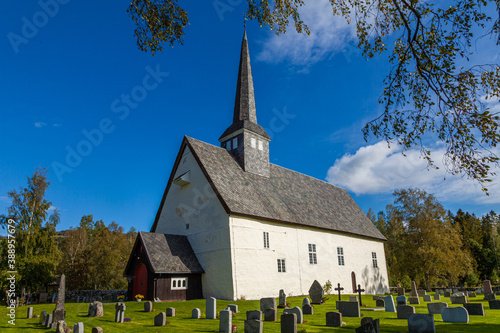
[435,247]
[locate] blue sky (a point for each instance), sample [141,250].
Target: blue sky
[67,78]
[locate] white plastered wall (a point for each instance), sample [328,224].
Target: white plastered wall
[193,210]
[255,270]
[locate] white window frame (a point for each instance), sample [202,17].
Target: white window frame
[253,142]
[374,259]
[313,259]
[281,266]
[340,256]
[176,282]
[235,143]
[261,145]
[266,239]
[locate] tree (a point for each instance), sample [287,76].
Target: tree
[432,87]
[423,244]
[35,230]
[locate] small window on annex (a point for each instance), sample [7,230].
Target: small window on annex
[228,145]
[235,143]
[179,283]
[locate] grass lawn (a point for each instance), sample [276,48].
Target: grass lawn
[143,322]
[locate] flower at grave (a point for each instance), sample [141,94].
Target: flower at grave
[68,330]
[127,319]
[121,297]
[234,328]
[139,296]
[35,316]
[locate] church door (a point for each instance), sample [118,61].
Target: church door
[141,280]
[353,278]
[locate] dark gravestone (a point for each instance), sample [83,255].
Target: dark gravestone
[401,300]
[400,290]
[60,313]
[254,315]
[120,312]
[282,299]
[489,297]
[404,311]
[437,297]
[170,312]
[435,308]
[233,308]
[161,319]
[316,293]
[254,326]
[307,309]
[97,330]
[366,320]
[413,300]
[267,303]
[196,313]
[413,291]
[427,298]
[458,299]
[421,323]
[95,309]
[369,327]
[447,294]
[349,309]
[494,305]
[380,303]
[148,306]
[288,323]
[474,309]
[48,320]
[487,287]
[333,319]
[270,315]
[298,312]
[43,316]
[421,292]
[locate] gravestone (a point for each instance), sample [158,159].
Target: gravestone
[487,287]
[306,301]
[233,308]
[349,309]
[421,323]
[380,303]
[43,298]
[369,327]
[474,309]
[254,315]
[376,298]
[148,306]
[366,320]
[427,298]
[400,290]
[353,298]
[78,328]
[29,312]
[170,312]
[43,316]
[316,293]
[404,311]
[401,300]
[85,299]
[435,308]
[413,291]
[211,306]
[282,299]
[298,312]
[455,315]
[421,292]
[267,303]
[489,297]
[413,300]
[97,330]
[447,293]
[271,314]
[254,326]
[458,299]
[95,309]
[120,312]
[389,304]
[60,313]
[307,309]
[48,320]
[288,322]
[437,297]
[225,321]
[333,319]
[60,326]
[494,305]
[161,319]
[339,289]
[471,294]
[196,313]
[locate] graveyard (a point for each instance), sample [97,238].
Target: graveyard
[136,319]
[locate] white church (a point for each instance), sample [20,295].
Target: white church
[232,225]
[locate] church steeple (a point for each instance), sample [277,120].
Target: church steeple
[246,140]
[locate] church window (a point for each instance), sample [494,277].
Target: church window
[281,266]
[312,254]
[187,226]
[228,145]
[235,143]
[253,142]
[340,255]
[261,145]
[374,259]
[179,283]
[266,240]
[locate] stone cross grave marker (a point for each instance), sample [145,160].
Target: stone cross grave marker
[339,289]
[359,291]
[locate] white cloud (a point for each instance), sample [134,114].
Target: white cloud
[379,169]
[40,124]
[329,35]
[5,199]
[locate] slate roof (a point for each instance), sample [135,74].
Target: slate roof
[286,196]
[170,253]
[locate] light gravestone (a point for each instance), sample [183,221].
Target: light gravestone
[97,330]
[60,327]
[48,320]
[333,319]
[282,299]
[421,292]
[458,298]
[288,323]
[487,287]
[372,326]
[95,309]
[427,298]
[170,312]
[405,310]
[421,323]
[120,312]
[413,291]
[316,293]
[455,315]
[78,328]
[389,304]
[401,300]
[225,321]
[60,313]
[435,308]
[196,313]
[30,312]
[298,313]
[349,309]
[211,306]
[437,297]
[161,319]
[353,298]
[148,306]
[474,309]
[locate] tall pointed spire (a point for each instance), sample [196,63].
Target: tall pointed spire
[244,104]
